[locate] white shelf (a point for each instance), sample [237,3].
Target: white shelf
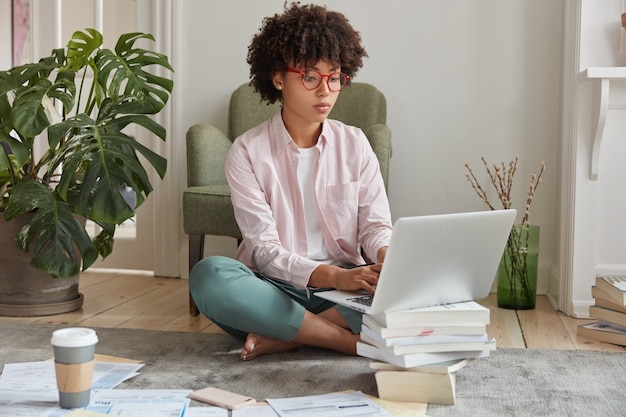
[602,77]
[610,73]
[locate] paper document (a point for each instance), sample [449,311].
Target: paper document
[206,412]
[29,410]
[29,389]
[255,410]
[140,403]
[341,404]
[36,381]
[84,413]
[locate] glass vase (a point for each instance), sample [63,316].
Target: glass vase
[517,273]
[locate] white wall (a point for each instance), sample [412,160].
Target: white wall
[462,80]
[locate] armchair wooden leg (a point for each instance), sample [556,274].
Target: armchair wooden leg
[196,252]
[193,308]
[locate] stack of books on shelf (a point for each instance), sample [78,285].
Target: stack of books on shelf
[609,310]
[418,351]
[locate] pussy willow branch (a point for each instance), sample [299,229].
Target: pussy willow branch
[510,176]
[502,180]
[476,186]
[535,180]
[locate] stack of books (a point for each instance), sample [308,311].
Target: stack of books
[417,351]
[609,309]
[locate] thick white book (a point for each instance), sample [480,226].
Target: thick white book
[466,312]
[489,344]
[446,367]
[425,329]
[415,359]
[374,337]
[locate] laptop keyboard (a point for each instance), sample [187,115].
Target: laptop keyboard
[365,299]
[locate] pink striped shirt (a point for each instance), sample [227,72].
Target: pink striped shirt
[261,168]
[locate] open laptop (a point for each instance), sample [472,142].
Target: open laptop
[434,260]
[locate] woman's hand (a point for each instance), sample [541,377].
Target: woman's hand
[362,277]
[347,279]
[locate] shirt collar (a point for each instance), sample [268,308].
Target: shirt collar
[282,139]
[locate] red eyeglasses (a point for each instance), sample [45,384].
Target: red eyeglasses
[312,79]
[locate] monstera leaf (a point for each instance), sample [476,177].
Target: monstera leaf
[122,74]
[55,228]
[26,104]
[97,159]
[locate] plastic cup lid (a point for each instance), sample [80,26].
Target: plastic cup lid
[74,337]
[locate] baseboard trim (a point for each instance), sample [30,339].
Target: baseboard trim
[554,302]
[580,308]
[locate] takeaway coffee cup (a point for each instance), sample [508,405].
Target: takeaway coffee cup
[74,350]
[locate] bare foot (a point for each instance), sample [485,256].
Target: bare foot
[258,345]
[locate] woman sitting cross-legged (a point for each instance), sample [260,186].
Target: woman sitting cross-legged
[307,193]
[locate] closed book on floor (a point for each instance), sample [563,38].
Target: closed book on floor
[603,333]
[602,299]
[463,328]
[605,314]
[416,386]
[614,286]
[415,359]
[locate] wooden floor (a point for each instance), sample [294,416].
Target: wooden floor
[137,301]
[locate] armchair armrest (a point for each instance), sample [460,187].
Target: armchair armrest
[206,153]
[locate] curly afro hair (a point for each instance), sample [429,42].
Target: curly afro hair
[302,35]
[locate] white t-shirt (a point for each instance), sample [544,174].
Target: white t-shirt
[306,179]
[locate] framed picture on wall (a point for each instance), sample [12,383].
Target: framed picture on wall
[21,33]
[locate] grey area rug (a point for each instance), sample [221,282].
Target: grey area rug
[511,382]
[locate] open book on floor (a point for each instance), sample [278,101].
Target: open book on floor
[603,332]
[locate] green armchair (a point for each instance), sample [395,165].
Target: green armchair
[207,208]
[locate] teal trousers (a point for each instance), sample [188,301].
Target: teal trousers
[241,301]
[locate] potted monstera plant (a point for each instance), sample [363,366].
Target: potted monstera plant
[66,156]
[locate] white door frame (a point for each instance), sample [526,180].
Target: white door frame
[161,19]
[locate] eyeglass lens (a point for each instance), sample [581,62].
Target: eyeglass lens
[312,79]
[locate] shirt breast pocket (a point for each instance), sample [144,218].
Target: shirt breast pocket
[342,209]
